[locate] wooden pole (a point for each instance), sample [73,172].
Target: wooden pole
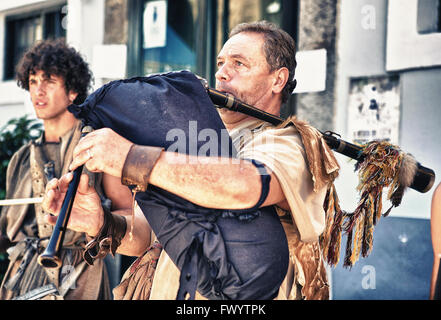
[14,202]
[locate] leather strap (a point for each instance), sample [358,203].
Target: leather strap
[265,178]
[138,166]
[38,293]
[38,189]
[108,238]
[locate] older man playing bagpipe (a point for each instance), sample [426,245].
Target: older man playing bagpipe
[236,214]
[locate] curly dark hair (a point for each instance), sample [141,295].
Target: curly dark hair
[279,48]
[54,57]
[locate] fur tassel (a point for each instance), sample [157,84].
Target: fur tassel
[358,239]
[408,169]
[348,253]
[384,166]
[368,230]
[379,207]
[335,240]
[331,238]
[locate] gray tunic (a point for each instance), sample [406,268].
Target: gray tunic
[28,172]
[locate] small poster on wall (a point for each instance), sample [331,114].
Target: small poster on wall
[155,24]
[374,109]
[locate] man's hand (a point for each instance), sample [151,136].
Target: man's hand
[102,150]
[87,214]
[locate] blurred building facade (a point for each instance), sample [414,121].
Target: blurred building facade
[367,69]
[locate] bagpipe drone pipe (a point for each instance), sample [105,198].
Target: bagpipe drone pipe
[423,178]
[379,164]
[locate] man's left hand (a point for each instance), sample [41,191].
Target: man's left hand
[102,150]
[87,213]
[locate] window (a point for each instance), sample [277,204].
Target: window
[166,35]
[230,13]
[409,43]
[188,34]
[283,13]
[429,16]
[22,31]
[169,37]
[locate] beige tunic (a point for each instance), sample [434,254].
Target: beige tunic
[25,223]
[282,151]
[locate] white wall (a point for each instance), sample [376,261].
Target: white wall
[85,29]
[85,26]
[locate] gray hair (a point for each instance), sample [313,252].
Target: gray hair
[279,49]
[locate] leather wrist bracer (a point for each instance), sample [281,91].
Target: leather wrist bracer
[138,166]
[108,238]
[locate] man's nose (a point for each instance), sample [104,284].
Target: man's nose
[223,73]
[40,89]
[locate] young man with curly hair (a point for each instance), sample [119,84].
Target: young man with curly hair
[55,75]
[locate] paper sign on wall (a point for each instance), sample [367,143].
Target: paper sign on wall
[374,109]
[155,24]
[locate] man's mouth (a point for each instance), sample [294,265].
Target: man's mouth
[40,104]
[226,91]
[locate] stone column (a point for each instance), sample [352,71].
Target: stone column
[115,23]
[317,30]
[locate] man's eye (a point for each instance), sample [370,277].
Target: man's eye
[219,64]
[239,63]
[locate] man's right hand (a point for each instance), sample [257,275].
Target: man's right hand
[87,214]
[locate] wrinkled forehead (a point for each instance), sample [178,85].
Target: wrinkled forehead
[246,44]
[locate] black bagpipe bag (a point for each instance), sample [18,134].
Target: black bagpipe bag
[224,254]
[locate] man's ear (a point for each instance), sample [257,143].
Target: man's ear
[281,77]
[72,96]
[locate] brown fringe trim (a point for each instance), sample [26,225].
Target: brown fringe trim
[383,167]
[321,160]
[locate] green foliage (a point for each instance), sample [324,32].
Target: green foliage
[13,135]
